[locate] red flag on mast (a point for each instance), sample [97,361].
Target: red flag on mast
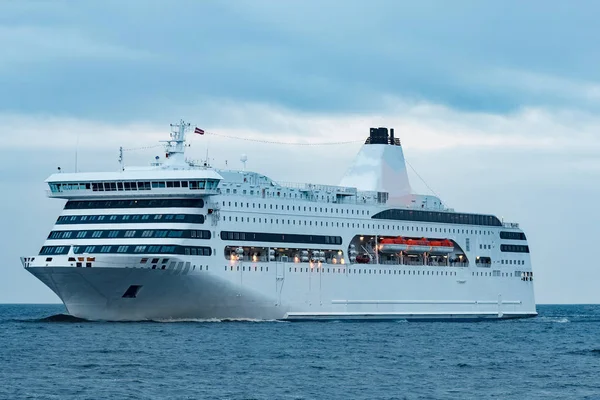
[199,131]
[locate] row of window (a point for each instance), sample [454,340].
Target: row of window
[142,203]
[197,184]
[439,217]
[123,233]
[381,271]
[47,250]
[350,271]
[283,254]
[525,275]
[129,186]
[514,248]
[512,235]
[512,262]
[494,273]
[243,268]
[130,218]
[374,271]
[272,193]
[355,225]
[330,210]
[129,249]
[280,237]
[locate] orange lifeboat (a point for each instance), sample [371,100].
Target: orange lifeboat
[419,245]
[423,245]
[394,245]
[442,246]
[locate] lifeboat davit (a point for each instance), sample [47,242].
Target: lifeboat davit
[396,245]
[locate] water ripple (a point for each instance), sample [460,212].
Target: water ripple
[46,354]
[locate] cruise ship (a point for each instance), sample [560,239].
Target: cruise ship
[184,240]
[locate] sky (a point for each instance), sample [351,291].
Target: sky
[496,103]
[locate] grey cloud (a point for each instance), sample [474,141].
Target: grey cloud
[149,58]
[155,61]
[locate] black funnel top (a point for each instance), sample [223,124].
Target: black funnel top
[379,136]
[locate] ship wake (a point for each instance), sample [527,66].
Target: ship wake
[213,320]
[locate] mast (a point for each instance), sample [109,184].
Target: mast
[175,147]
[121,161]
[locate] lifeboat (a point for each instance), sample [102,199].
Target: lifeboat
[442,246]
[396,245]
[418,245]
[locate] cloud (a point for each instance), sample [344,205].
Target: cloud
[31,45]
[55,132]
[155,58]
[550,145]
[424,127]
[496,104]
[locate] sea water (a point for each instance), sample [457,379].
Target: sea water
[46,355]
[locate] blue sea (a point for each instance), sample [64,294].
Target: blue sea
[46,355]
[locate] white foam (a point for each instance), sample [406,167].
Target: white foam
[557,320]
[213,320]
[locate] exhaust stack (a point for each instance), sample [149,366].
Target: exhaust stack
[380,166]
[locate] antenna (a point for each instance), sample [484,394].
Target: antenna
[121,158]
[207,161]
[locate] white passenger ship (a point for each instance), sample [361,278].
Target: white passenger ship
[178,240]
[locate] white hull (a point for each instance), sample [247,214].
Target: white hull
[97,293]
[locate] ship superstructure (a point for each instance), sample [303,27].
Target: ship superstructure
[181,240]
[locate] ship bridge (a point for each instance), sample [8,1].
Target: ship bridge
[148,183]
